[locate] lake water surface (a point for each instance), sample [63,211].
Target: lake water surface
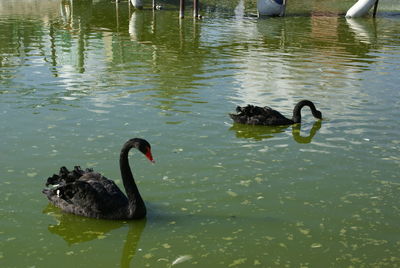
[77,79]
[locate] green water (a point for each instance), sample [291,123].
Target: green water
[78,80]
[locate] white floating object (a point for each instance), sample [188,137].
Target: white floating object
[181,259]
[360,8]
[270,7]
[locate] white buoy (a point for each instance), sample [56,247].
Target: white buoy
[137,3]
[270,7]
[360,8]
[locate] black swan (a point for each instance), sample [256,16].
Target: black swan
[89,194]
[254,115]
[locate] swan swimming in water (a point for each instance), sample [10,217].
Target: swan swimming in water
[266,116]
[88,193]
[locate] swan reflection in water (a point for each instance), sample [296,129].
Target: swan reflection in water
[267,132]
[77,229]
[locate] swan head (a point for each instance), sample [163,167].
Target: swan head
[143,146]
[318,114]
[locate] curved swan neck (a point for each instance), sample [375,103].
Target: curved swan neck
[297,110]
[136,204]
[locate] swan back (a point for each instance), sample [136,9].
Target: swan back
[255,115]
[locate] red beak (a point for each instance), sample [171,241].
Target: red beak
[149,155]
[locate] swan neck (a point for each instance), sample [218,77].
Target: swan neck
[135,201]
[297,110]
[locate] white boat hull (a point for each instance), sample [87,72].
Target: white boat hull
[360,8]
